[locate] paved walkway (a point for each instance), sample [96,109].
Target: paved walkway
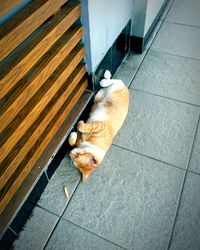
[146,194]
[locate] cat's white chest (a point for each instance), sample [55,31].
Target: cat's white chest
[99,114]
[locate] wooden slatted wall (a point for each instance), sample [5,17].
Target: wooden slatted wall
[42,77]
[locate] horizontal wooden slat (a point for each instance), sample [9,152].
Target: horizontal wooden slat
[11,140]
[29,161]
[18,64]
[6,6]
[42,79]
[14,102]
[24,23]
[22,193]
[67,89]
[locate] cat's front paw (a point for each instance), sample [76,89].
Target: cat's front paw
[104,83]
[72,138]
[107,74]
[80,125]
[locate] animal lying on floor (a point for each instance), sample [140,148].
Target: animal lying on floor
[94,138]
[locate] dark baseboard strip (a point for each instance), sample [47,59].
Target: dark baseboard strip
[137,44]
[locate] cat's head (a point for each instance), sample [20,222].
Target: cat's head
[86,162]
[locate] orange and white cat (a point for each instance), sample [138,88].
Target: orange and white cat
[94,138]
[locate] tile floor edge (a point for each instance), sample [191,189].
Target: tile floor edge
[163,97]
[149,157]
[60,216]
[183,185]
[182,24]
[85,229]
[175,55]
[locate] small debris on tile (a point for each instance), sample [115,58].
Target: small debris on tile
[66,192]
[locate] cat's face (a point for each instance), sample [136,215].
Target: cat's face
[85,162]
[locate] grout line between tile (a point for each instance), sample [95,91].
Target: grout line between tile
[182,24]
[165,97]
[176,214]
[171,54]
[193,172]
[93,233]
[61,214]
[47,210]
[152,158]
[182,189]
[195,134]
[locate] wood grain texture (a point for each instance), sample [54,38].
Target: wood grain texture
[42,79]
[25,89]
[23,24]
[22,59]
[9,166]
[24,190]
[6,6]
[32,158]
[12,139]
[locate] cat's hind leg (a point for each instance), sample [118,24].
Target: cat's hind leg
[73,138]
[91,127]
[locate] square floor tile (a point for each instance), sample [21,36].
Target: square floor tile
[36,231]
[195,157]
[53,198]
[159,128]
[68,236]
[130,200]
[185,12]
[170,76]
[187,227]
[178,39]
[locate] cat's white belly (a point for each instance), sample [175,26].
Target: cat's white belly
[99,114]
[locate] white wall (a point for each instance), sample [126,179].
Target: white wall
[106,20]
[103,21]
[144,13]
[138,17]
[153,7]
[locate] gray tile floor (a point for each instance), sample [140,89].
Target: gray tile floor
[146,193]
